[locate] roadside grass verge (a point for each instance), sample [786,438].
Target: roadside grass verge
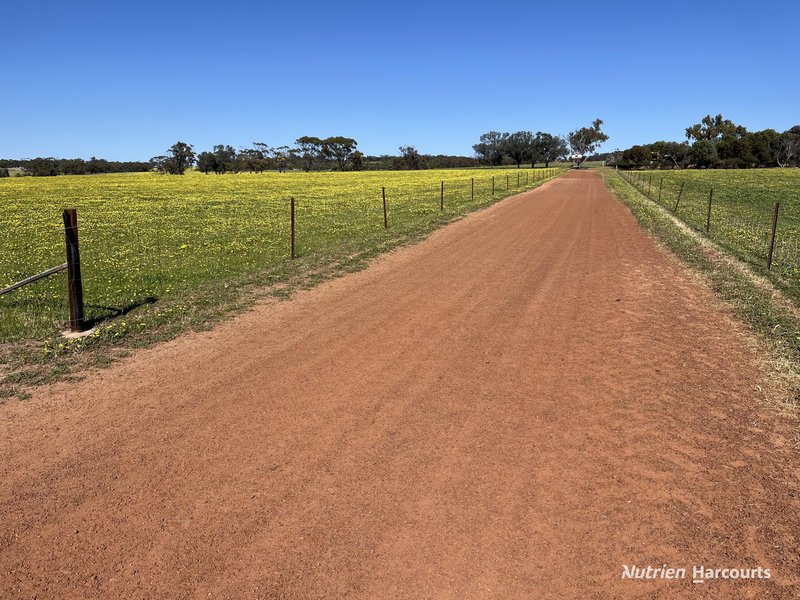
[763,308]
[741,214]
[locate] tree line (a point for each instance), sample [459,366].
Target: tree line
[308,154]
[495,148]
[410,158]
[42,167]
[334,152]
[715,143]
[331,153]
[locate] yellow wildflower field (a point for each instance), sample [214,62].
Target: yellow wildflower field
[146,238]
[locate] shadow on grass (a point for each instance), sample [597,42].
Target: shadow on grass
[111,312]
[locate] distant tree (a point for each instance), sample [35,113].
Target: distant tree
[677,153]
[786,148]
[42,167]
[159,163]
[612,159]
[309,149]
[4,172]
[714,129]
[265,154]
[205,162]
[637,156]
[761,147]
[668,154]
[736,152]
[658,150]
[96,165]
[281,157]
[251,159]
[443,161]
[547,148]
[585,140]
[410,158]
[519,146]
[357,161]
[491,148]
[339,149]
[224,159]
[179,157]
[704,153]
[77,166]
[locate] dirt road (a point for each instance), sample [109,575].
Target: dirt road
[517,407]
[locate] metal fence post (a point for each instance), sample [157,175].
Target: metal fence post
[708,218]
[441,198]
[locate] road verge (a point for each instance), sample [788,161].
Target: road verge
[768,313]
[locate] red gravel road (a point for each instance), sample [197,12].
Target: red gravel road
[517,407]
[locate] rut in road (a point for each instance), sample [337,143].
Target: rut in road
[516,407]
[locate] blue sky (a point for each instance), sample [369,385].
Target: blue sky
[125,80]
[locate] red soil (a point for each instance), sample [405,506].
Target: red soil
[517,407]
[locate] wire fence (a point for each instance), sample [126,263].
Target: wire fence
[760,225]
[141,242]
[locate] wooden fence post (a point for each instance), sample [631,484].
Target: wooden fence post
[441,198]
[74,281]
[293,223]
[708,218]
[680,193]
[385,216]
[660,187]
[517,179]
[772,237]
[506,182]
[492,185]
[473,189]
